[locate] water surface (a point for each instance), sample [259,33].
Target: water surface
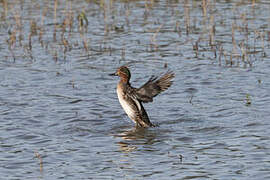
[58,102]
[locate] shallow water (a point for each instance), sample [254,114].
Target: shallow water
[57,100]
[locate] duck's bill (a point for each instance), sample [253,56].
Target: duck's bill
[113,74]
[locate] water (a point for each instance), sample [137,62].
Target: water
[60,116]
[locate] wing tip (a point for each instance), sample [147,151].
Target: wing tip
[165,81]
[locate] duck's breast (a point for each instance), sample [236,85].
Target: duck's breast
[127,104]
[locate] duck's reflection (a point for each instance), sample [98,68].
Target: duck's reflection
[132,138]
[133,144]
[126,147]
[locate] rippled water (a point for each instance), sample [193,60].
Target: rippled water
[60,116]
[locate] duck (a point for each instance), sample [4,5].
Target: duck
[132,99]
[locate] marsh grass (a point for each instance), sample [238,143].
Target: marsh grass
[38,156]
[62,29]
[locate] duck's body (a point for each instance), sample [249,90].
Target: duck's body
[132,105]
[131,98]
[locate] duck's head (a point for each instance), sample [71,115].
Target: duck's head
[123,72]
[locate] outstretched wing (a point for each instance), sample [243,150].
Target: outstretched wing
[154,86]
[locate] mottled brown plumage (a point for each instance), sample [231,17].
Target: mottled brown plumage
[131,98]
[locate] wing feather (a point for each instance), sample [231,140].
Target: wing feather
[154,86]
